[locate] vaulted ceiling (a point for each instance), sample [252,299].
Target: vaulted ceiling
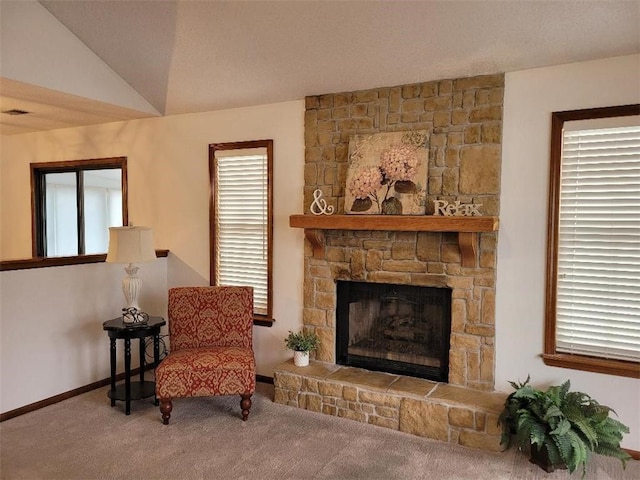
[194,56]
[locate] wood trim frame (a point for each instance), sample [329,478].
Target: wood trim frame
[635,454]
[37,199]
[261,320]
[66,395]
[550,356]
[593,364]
[264,379]
[42,262]
[87,388]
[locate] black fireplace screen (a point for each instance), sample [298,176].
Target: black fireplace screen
[402,329]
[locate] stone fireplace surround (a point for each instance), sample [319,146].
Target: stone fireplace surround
[464,118]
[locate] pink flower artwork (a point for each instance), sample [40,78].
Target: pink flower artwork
[387,174]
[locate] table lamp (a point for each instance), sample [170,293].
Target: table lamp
[131,245]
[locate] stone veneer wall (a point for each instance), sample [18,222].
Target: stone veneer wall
[464,118]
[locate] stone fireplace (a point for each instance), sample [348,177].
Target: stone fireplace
[410,258]
[464,119]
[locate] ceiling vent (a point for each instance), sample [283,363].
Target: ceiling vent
[15,111]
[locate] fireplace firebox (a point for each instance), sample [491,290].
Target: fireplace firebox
[401,329]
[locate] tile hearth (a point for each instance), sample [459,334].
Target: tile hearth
[420,407]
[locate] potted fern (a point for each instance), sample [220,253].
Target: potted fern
[301,343]
[559,428]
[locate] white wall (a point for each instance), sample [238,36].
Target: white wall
[168,182]
[530,97]
[181,166]
[51,337]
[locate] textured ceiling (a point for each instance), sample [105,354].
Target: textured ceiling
[192,56]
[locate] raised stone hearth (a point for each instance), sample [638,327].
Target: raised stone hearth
[420,407]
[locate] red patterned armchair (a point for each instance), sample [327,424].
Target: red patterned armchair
[211,353]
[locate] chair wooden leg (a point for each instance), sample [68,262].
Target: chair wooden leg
[245,405]
[165,408]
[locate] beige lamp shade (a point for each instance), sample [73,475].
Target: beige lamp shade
[131,245]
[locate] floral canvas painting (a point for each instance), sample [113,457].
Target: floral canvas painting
[387,174]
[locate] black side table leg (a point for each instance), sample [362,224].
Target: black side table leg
[156,359]
[127,375]
[112,341]
[141,361]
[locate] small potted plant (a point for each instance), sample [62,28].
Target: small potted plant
[301,343]
[559,428]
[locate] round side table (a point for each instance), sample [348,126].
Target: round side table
[117,329]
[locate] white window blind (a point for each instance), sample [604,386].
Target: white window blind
[241,225]
[598,285]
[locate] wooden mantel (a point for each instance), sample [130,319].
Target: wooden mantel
[466,227]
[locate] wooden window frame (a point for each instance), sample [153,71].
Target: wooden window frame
[38,199]
[262,320]
[550,356]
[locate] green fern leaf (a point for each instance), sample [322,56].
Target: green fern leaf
[563,445]
[553,416]
[596,412]
[523,429]
[522,438]
[526,392]
[564,389]
[613,451]
[574,411]
[537,434]
[505,439]
[553,411]
[555,457]
[584,428]
[563,427]
[609,438]
[610,432]
[579,453]
[518,386]
[615,425]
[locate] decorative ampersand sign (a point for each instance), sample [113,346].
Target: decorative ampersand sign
[319,204]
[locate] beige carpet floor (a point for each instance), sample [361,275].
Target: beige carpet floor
[84,438]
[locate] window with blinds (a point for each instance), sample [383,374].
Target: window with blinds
[241,226]
[592,315]
[598,249]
